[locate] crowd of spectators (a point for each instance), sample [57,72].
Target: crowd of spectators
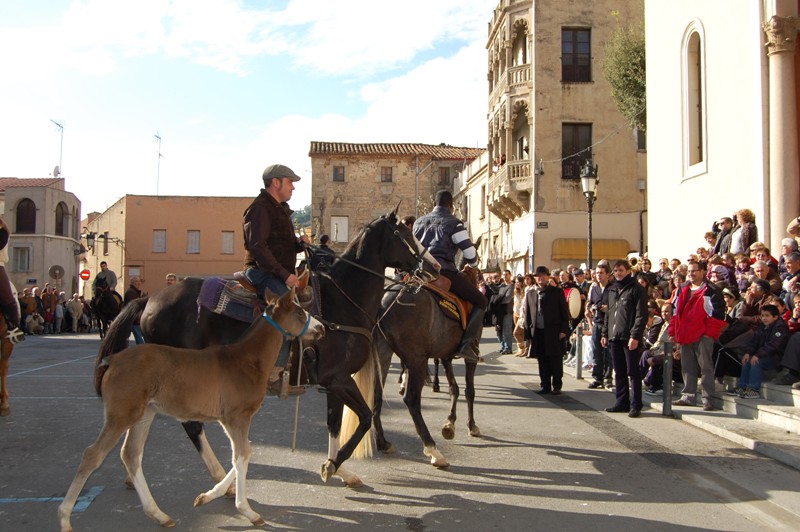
[729,308]
[48,311]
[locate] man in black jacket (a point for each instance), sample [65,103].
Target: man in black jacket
[623,330]
[547,326]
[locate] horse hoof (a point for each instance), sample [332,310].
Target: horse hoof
[328,469]
[439,462]
[448,431]
[402,390]
[5,411]
[259,522]
[354,483]
[200,500]
[475,432]
[129,483]
[169,523]
[388,449]
[436,388]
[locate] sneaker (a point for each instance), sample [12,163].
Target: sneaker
[684,401]
[750,393]
[608,385]
[708,406]
[595,385]
[738,391]
[653,391]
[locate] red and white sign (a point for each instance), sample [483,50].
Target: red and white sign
[85,274]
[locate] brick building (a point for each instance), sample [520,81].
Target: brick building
[354,183]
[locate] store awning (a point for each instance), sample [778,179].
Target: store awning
[602,248]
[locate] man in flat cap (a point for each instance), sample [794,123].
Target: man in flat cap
[271,247]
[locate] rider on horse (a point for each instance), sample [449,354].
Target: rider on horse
[106,275]
[271,247]
[444,234]
[8,300]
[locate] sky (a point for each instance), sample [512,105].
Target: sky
[230,86]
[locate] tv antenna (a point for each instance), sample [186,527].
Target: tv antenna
[158,171]
[60,126]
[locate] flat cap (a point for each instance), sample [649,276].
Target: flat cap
[278,170]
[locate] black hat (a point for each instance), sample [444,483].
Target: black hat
[541,270]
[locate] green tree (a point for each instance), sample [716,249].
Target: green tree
[624,68]
[302,217]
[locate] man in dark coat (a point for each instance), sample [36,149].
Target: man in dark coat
[547,326]
[623,331]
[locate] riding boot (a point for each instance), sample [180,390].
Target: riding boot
[469,349]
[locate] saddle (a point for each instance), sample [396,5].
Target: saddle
[450,304]
[241,278]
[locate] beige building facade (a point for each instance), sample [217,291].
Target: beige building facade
[353,184]
[151,236]
[44,222]
[550,110]
[722,118]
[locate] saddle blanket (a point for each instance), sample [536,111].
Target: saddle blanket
[227,298]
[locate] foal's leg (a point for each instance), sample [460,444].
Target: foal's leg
[413,400]
[131,454]
[92,458]
[470,395]
[6,347]
[238,432]
[449,428]
[197,434]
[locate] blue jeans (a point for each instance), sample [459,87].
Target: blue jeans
[137,334]
[262,281]
[505,332]
[753,375]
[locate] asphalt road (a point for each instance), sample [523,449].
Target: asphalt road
[554,463]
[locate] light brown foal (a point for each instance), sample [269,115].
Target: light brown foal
[226,384]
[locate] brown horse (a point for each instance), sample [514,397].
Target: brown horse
[6,347]
[226,384]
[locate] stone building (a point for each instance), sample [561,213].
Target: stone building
[354,183]
[44,222]
[549,110]
[151,236]
[722,108]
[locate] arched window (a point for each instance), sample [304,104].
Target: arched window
[62,219]
[695,141]
[26,216]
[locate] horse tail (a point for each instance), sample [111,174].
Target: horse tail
[116,338]
[365,380]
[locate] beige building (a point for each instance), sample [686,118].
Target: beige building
[722,118]
[151,236]
[43,219]
[549,110]
[354,183]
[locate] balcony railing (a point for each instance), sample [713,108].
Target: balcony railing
[519,76]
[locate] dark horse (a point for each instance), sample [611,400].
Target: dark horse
[106,305]
[435,336]
[349,299]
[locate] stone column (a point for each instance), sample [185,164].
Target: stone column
[784,168]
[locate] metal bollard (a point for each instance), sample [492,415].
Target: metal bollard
[579,353]
[666,388]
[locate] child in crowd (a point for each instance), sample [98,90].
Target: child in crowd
[763,353]
[743,272]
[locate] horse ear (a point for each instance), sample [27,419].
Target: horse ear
[477,243]
[396,209]
[270,297]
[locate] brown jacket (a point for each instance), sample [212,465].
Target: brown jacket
[269,240]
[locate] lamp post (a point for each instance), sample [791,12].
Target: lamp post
[589,182]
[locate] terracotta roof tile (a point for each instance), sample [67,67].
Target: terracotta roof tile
[440,151]
[10,182]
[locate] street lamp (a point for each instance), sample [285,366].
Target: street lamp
[589,182]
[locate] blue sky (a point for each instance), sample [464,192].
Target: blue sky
[231,87]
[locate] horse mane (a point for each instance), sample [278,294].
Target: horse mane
[356,246]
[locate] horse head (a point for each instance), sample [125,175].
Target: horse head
[291,318]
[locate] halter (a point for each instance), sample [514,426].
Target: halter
[286,334]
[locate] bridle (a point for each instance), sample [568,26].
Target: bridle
[286,334]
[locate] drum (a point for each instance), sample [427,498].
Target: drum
[573,296]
